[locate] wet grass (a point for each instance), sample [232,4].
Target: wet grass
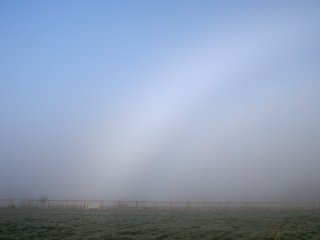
[160,224]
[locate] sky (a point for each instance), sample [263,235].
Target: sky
[160,100]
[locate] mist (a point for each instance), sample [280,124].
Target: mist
[183,100]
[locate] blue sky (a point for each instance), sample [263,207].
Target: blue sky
[148,97]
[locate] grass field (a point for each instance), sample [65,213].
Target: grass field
[157,224]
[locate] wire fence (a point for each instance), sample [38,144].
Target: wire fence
[105,204]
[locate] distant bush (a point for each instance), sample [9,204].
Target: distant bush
[43,199]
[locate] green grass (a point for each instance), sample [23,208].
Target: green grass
[160,224]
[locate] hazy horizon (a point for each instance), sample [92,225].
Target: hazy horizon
[160,100]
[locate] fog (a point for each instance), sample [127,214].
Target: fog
[182,100]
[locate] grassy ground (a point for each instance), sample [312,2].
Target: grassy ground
[143,224]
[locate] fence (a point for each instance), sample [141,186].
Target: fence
[102,204]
